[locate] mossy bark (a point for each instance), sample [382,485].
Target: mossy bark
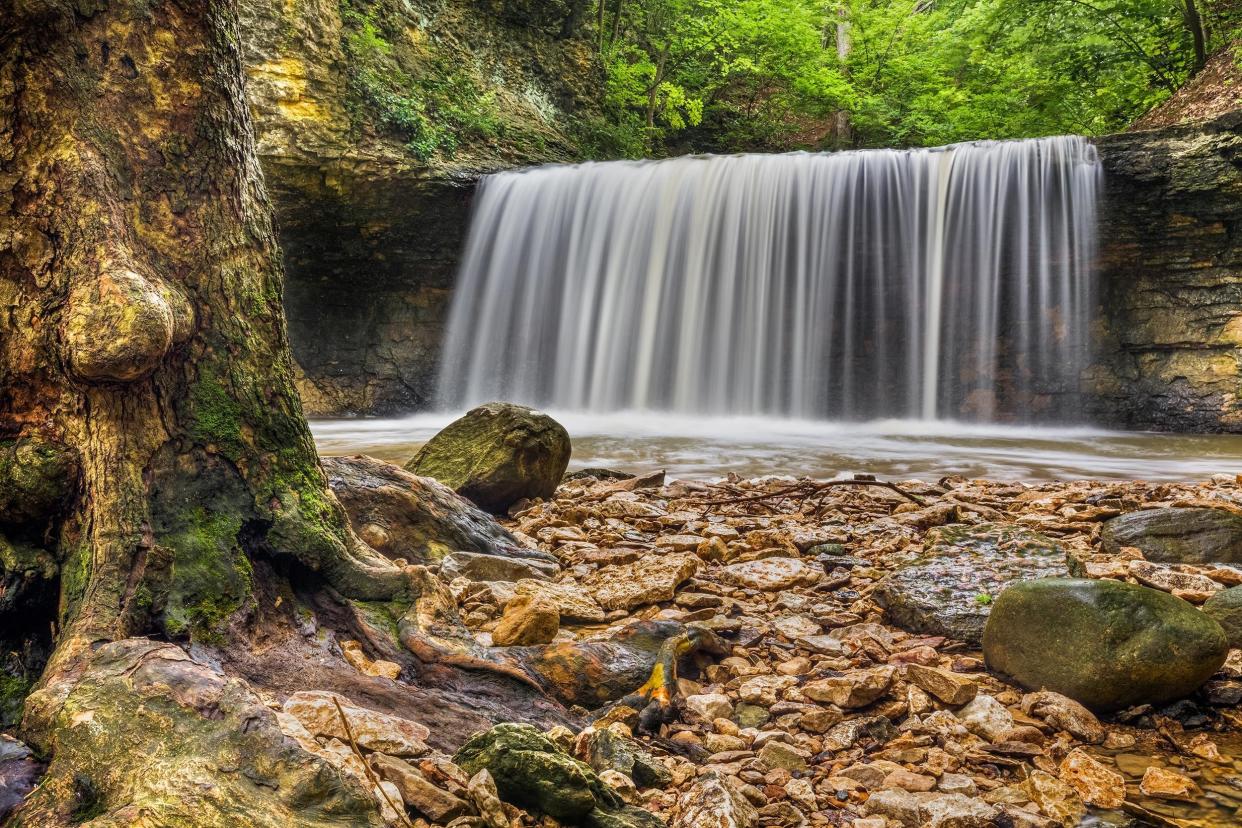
[141,325]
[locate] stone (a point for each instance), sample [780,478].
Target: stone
[948,591]
[1162,783]
[531,772]
[951,688]
[481,567]
[956,811]
[19,774]
[1064,713]
[352,651]
[705,708]
[764,690]
[1177,535]
[1105,644]
[437,804]
[713,801]
[857,688]
[317,711]
[1055,798]
[897,805]
[482,791]
[771,574]
[1181,584]
[795,627]
[604,749]
[649,580]
[1225,607]
[497,454]
[1096,784]
[987,718]
[958,783]
[574,603]
[780,755]
[908,781]
[526,621]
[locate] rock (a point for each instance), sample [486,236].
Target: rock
[1055,798]
[958,783]
[714,802]
[352,651]
[764,690]
[1163,783]
[622,784]
[573,602]
[705,708]
[1096,784]
[603,749]
[780,755]
[1186,585]
[987,718]
[1225,607]
[152,737]
[482,791]
[1105,644]
[949,590]
[317,711]
[771,574]
[19,773]
[897,805]
[533,773]
[481,567]
[795,627]
[1174,535]
[908,781]
[526,621]
[950,688]
[435,803]
[496,455]
[648,580]
[857,688]
[956,811]
[1064,713]
[414,518]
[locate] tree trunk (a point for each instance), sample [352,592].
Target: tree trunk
[141,325]
[1194,23]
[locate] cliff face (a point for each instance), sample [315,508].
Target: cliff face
[374,120]
[1170,323]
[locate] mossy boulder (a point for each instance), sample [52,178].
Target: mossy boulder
[533,773]
[496,455]
[1105,644]
[1175,535]
[1225,607]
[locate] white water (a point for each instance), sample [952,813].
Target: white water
[926,284]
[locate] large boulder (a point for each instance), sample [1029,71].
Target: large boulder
[1173,535]
[1105,644]
[1225,607]
[949,590]
[533,773]
[496,455]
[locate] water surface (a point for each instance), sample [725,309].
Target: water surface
[709,448]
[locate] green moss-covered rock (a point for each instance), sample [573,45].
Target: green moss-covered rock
[1106,644]
[533,773]
[1173,535]
[36,476]
[1225,607]
[496,455]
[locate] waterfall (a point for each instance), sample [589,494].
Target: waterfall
[931,283]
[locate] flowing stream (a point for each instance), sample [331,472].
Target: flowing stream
[916,284]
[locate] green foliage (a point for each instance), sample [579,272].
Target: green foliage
[727,75]
[433,112]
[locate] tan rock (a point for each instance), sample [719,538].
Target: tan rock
[780,755]
[1055,798]
[527,620]
[1065,714]
[857,688]
[648,580]
[1189,585]
[772,574]
[987,718]
[417,791]
[574,602]
[908,781]
[712,549]
[714,801]
[622,784]
[379,668]
[1097,784]
[486,799]
[707,707]
[950,688]
[679,543]
[1162,783]
[373,730]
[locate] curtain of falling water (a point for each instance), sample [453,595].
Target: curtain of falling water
[949,282]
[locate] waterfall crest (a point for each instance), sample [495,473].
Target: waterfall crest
[950,282]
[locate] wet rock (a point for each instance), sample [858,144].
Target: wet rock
[949,590]
[1174,535]
[1105,644]
[19,773]
[771,574]
[1055,798]
[1163,783]
[857,688]
[480,567]
[648,580]
[1096,784]
[1226,608]
[714,802]
[419,793]
[533,773]
[951,688]
[1064,713]
[496,455]
[414,518]
[527,620]
[317,711]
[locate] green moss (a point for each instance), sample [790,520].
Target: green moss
[13,693]
[211,576]
[215,416]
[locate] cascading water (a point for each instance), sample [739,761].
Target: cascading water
[949,282]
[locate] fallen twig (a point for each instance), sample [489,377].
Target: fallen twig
[349,734]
